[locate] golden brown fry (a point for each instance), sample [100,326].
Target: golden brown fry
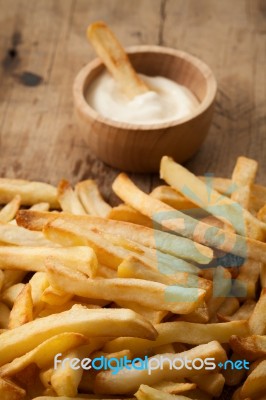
[25,258]
[150,393]
[183,332]
[151,238]
[232,376]
[229,306]
[9,211]
[133,267]
[128,381]
[115,59]
[55,297]
[22,311]
[9,295]
[11,391]
[91,198]
[11,278]
[212,383]
[246,283]
[210,200]
[243,177]
[251,347]
[157,296]
[243,313]
[154,316]
[18,236]
[68,199]
[30,192]
[257,321]
[170,196]
[40,207]
[174,388]
[185,225]
[43,354]
[126,213]
[89,322]
[255,384]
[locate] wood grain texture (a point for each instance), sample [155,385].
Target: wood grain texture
[43,46]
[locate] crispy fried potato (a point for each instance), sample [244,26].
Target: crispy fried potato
[243,313]
[184,225]
[246,283]
[125,213]
[90,322]
[255,384]
[257,320]
[11,391]
[170,196]
[9,211]
[243,177]
[251,347]
[68,199]
[128,381]
[19,236]
[22,310]
[91,198]
[210,200]
[149,393]
[30,192]
[174,388]
[157,296]
[115,59]
[212,383]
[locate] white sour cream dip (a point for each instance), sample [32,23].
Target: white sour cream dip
[167,100]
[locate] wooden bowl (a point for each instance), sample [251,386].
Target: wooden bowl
[139,148]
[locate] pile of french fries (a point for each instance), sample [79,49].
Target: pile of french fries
[177,272]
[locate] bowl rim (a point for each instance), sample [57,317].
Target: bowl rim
[83,106]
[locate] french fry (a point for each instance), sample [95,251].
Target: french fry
[243,177]
[183,332]
[157,296]
[43,354]
[128,381]
[68,199]
[243,313]
[210,200]
[18,236]
[91,198]
[4,316]
[149,393]
[89,322]
[255,384]
[229,307]
[246,283]
[212,383]
[261,215]
[251,347]
[115,59]
[232,376]
[221,287]
[55,297]
[174,388]
[184,225]
[105,272]
[9,211]
[40,207]
[30,192]
[11,391]
[257,320]
[154,316]
[22,310]
[25,258]
[11,278]
[125,213]
[170,196]
[151,238]
[133,267]
[38,283]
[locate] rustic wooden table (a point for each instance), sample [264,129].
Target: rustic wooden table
[43,46]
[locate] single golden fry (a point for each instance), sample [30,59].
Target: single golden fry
[174,388]
[91,198]
[170,196]
[115,59]
[25,258]
[9,211]
[40,207]
[68,199]
[22,310]
[11,391]
[243,177]
[157,296]
[257,321]
[212,383]
[30,192]
[150,393]
[255,384]
[18,236]
[251,347]
[125,213]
